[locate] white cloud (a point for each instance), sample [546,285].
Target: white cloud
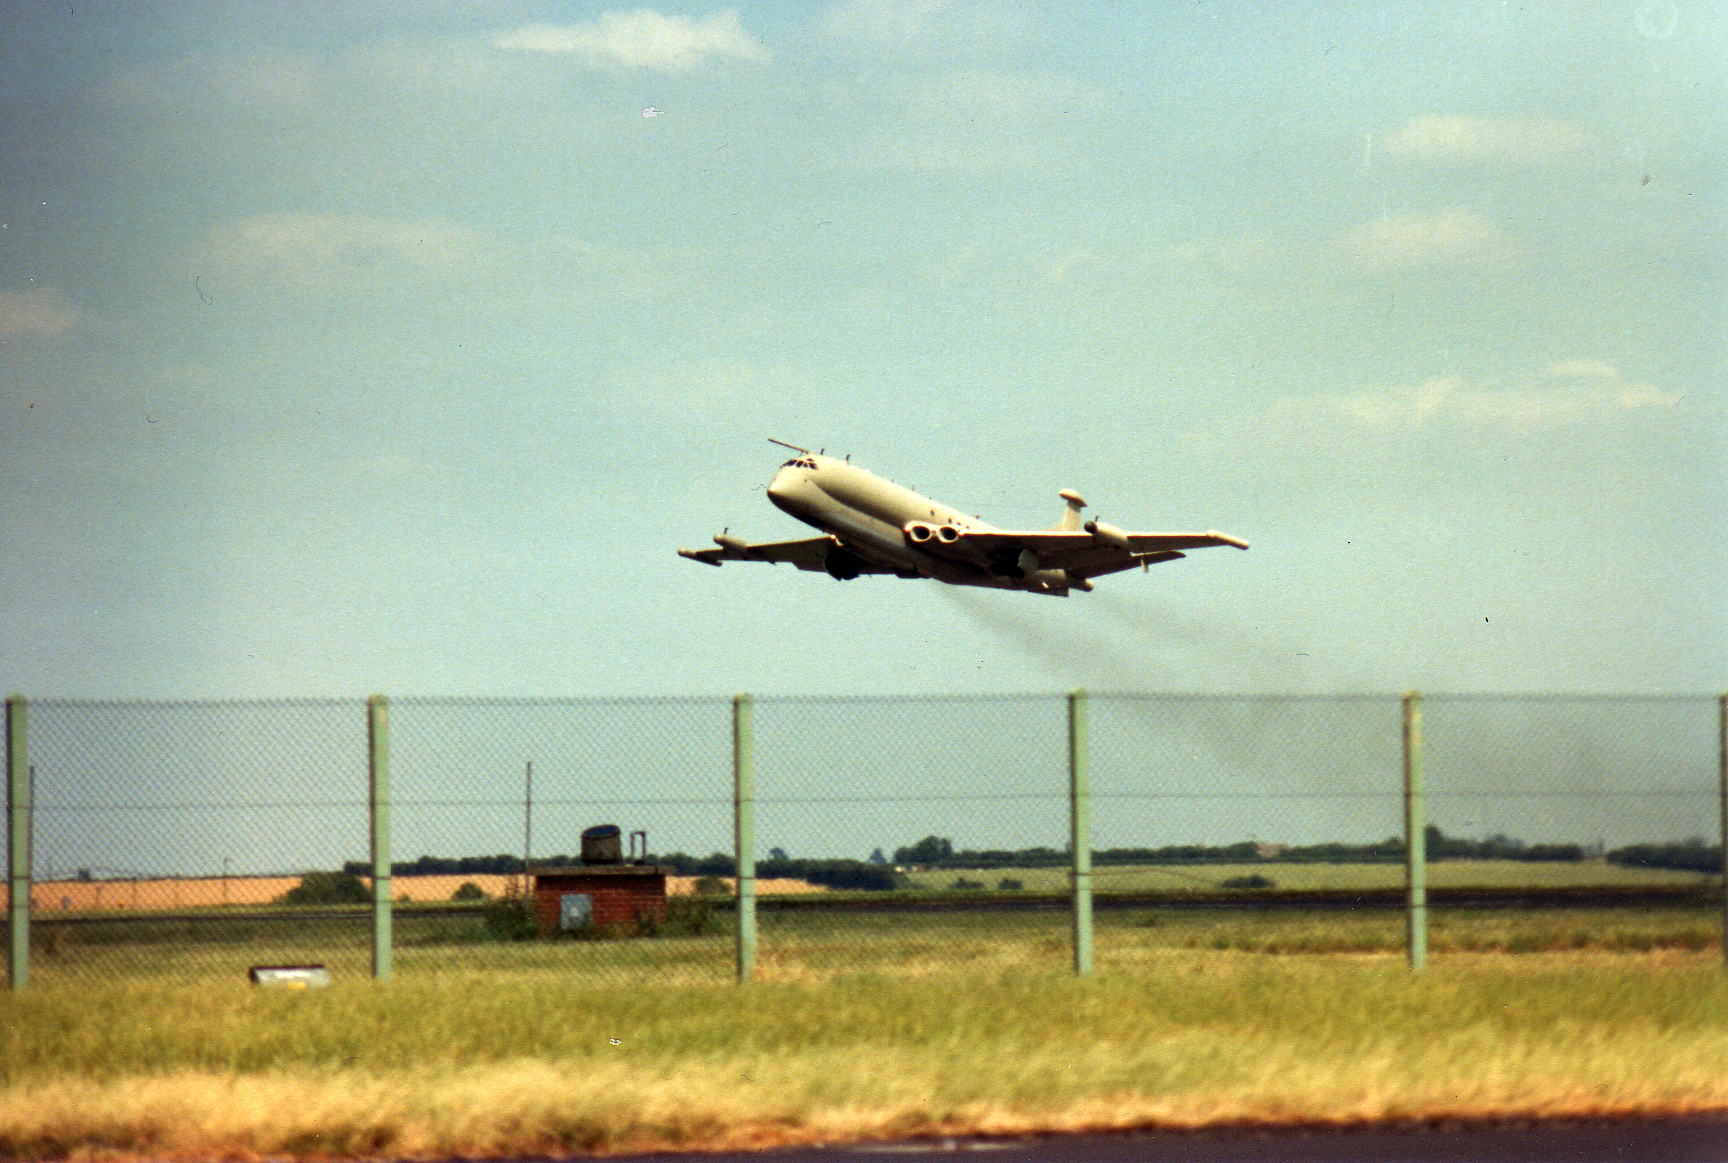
[643,39]
[1442,238]
[1453,403]
[1593,369]
[321,248]
[981,119]
[1081,262]
[36,313]
[374,75]
[928,27]
[884,21]
[320,242]
[688,395]
[270,79]
[1517,139]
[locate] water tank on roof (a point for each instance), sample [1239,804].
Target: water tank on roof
[602,844]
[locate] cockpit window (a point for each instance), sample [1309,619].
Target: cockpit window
[799,462]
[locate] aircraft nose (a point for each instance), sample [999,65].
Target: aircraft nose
[783,489]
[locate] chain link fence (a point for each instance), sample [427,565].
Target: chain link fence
[904,785]
[513,783]
[876,836]
[164,831]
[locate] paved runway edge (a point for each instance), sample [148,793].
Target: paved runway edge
[1692,1138]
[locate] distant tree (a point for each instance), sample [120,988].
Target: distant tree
[930,850]
[469,891]
[1010,884]
[328,888]
[876,857]
[1690,855]
[777,854]
[716,864]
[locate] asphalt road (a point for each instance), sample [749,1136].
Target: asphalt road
[1641,1141]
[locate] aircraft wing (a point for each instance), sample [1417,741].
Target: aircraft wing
[807,553]
[1087,554]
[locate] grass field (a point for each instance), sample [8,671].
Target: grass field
[1304,876]
[141,1039]
[70,897]
[533,1060]
[812,944]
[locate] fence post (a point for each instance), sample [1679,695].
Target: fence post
[1080,829]
[378,810]
[1722,778]
[744,835]
[18,831]
[1415,835]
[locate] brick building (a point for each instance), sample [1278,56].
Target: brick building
[605,896]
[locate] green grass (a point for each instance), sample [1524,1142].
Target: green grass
[1294,875]
[530,1060]
[810,944]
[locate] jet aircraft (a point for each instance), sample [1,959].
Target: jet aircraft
[871,525]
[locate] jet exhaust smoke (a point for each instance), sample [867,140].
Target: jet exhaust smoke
[1123,642]
[1064,642]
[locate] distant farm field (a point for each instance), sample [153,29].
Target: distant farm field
[169,893]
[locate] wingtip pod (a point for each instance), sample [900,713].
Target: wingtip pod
[1227,539]
[696,555]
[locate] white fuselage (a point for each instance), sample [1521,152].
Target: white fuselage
[872,516]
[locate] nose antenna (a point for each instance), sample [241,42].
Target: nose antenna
[793,447]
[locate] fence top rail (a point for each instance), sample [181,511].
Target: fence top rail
[1570,697]
[908,698]
[559,700]
[154,704]
[1248,696]
[55,703]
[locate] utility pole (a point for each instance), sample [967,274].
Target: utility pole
[527,828]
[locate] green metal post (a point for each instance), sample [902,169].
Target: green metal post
[1722,774]
[744,834]
[18,829]
[1080,829]
[378,803]
[1415,835]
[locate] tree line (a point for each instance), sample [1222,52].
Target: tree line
[836,874]
[938,852]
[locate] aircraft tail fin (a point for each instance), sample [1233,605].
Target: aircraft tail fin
[1070,521]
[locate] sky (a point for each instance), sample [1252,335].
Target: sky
[397,347]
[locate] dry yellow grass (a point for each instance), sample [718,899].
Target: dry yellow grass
[484,1066]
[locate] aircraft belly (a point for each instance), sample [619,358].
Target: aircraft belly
[873,540]
[885,545]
